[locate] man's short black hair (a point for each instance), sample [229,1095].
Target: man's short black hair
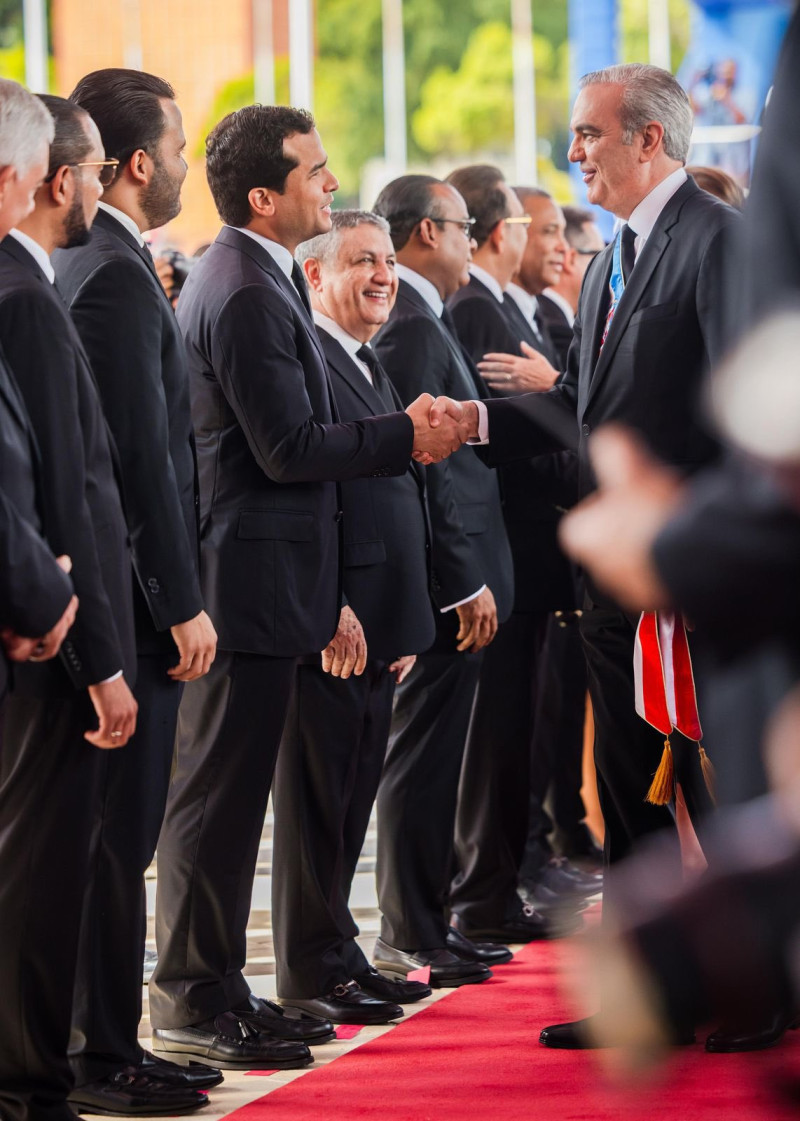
[480,187]
[245,150]
[70,143]
[126,107]
[405,202]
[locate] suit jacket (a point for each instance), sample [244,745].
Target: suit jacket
[386,544]
[34,591]
[268,449]
[136,352]
[470,545]
[81,511]
[536,491]
[665,334]
[559,328]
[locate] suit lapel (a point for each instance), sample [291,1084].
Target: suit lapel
[459,357]
[113,226]
[340,361]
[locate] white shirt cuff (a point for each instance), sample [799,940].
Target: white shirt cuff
[114,677]
[483,430]
[461,602]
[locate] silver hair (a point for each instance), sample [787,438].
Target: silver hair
[649,94]
[324,247]
[24,123]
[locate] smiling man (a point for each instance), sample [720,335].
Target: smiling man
[270,446]
[335,739]
[646,331]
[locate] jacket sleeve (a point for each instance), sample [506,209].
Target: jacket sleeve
[34,590]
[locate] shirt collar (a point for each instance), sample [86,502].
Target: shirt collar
[37,251]
[344,338]
[487,280]
[646,214]
[420,284]
[124,220]
[564,305]
[279,253]
[524,300]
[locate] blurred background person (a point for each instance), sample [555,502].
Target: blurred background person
[558,303]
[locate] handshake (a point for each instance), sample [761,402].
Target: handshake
[441,426]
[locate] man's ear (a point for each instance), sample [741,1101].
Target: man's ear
[8,175]
[262,202]
[497,236]
[428,233]
[61,188]
[140,166]
[570,264]
[313,273]
[652,141]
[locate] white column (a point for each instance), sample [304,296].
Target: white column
[263,52]
[394,89]
[132,56]
[34,15]
[524,93]
[301,54]
[658,33]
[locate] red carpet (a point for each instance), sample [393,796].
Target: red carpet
[474,1056]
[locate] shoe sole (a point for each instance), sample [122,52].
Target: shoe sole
[364,1021]
[160,1111]
[395,974]
[183,1058]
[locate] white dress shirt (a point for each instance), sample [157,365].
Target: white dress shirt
[279,253]
[37,251]
[526,303]
[488,281]
[124,220]
[345,340]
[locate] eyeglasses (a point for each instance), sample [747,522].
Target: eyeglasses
[466,224]
[519,220]
[108,170]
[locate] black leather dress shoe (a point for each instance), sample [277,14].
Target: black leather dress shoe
[130,1093]
[195,1076]
[557,877]
[271,1018]
[728,1038]
[231,1042]
[385,988]
[348,1004]
[486,952]
[525,925]
[575,1036]
[448,971]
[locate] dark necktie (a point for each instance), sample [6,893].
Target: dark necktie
[380,382]
[299,282]
[623,260]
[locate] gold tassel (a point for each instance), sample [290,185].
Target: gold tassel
[709,774]
[662,788]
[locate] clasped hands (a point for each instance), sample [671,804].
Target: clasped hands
[441,426]
[529,372]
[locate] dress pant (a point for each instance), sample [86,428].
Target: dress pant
[557,749]
[493,799]
[130,807]
[418,791]
[229,730]
[627,749]
[327,775]
[48,782]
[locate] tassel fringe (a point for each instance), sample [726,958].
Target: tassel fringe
[662,788]
[709,774]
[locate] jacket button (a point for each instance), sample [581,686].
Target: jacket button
[585,429]
[153,585]
[338,516]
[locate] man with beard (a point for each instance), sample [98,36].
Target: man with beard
[128,328]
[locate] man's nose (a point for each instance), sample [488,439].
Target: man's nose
[575,151]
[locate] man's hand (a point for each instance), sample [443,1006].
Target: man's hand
[346,652]
[612,532]
[529,374]
[21,649]
[478,620]
[197,645]
[438,432]
[116,713]
[402,667]
[165,273]
[464,412]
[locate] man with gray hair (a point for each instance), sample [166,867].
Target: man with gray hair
[646,332]
[336,732]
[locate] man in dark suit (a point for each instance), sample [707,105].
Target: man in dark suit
[638,355]
[503,753]
[269,440]
[48,772]
[128,330]
[558,302]
[472,588]
[335,737]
